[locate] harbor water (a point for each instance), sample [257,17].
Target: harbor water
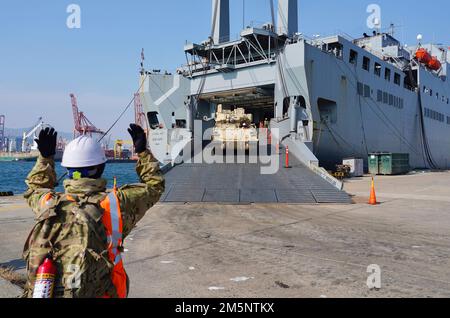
[13,175]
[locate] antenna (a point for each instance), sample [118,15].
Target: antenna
[419,38]
[392,29]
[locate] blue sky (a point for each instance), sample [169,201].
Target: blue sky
[42,61]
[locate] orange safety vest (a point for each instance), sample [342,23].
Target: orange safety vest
[46,200]
[112,220]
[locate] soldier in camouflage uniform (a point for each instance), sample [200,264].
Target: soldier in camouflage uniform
[70,228]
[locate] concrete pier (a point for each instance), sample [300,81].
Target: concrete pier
[284,250]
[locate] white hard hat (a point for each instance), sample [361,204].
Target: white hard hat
[83,152]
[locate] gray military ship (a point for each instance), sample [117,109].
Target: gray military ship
[328,98]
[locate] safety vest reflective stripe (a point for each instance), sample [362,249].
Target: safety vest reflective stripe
[112,220]
[46,200]
[115,220]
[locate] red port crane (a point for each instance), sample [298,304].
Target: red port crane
[83,126]
[139,114]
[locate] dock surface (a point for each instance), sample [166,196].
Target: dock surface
[284,250]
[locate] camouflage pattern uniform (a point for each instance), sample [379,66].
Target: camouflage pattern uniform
[70,226]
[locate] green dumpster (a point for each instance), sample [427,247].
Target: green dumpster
[394,164]
[374,163]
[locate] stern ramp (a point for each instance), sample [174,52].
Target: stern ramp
[244,184]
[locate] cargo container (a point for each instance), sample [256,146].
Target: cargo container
[374,163]
[394,164]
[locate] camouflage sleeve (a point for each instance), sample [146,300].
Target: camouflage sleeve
[41,182]
[136,199]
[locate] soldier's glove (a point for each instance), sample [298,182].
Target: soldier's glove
[47,142]
[139,138]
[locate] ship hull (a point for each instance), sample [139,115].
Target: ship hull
[353,122]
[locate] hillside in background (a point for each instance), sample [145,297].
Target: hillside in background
[18,133]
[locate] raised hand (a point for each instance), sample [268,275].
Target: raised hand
[47,142]
[139,138]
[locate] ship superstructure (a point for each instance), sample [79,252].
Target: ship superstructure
[329,98]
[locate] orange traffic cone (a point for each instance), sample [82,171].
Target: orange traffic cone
[373,196]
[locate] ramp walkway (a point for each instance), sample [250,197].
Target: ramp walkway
[244,184]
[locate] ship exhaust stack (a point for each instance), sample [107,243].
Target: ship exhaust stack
[287,17]
[220,32]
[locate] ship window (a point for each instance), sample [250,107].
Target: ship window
[387,74]
[402,103]
[360,88]
[448,120]
[406,83]
[385,98]
[424,89]
[327,110]
[353,57]
[286,105]
[379,96]
[448,100]
[366,63]
[437,95]
[391,99]
[366,91]
[397,79]
[153,120]
[431,92]
[378,69]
